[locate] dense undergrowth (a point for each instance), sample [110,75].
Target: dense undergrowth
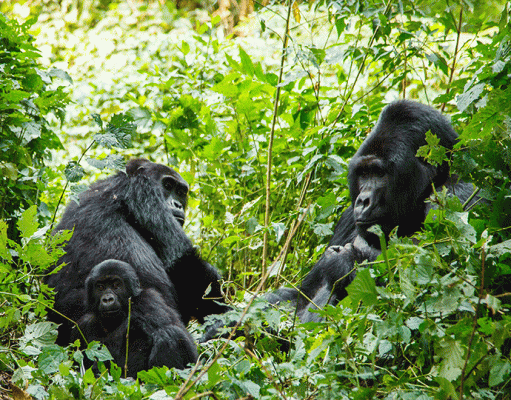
[217,109]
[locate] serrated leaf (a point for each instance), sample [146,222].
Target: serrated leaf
[106,139]
[467,98]
[31,130]
[74,171]
[112,161]
[452,358]
[433,152]
[96,351]
[40,334]
[214,374]
[118,132]
[97,119]
[499,372]
[88,377]
[50,359]
[501,248]
[141,117]
[246,62]
[27,224]
[384,347]
[414,322]
[363,288]
[279,229]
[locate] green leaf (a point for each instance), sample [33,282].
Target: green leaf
[40,334]
[74,172]
[50,359]
[499,372]
[363,288]
[88,377]
[97,351]
[112,161]
[246,62]
[27,224]
[4,251]
[279,229]
[451,352]
[467,98]
[61,74]
[97,119]
[433,153]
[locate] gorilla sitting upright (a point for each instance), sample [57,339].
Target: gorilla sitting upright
[388,187]
[121,326]
[136,217]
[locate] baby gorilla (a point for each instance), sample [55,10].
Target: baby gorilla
[111,285]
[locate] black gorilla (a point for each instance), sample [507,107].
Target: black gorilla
[388,187]
[136,217]
[109,286]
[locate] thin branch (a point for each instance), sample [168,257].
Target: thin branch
[127,339]
[474,326]
[270,142]
[456,49]
[362,66]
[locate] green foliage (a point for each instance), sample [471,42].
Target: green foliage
[23,299]
[26,141]
[429,319]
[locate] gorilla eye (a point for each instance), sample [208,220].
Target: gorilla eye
[379,172]
[182,191]
[100,287]
[168,184]
[117,284]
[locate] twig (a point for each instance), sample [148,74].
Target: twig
[292,232]
[270,142]
[362,66]
[451,76]
[127,339]
[474,326]
[267,373]
[65,187]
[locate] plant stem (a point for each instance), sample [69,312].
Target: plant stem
[270,143]
[453,66]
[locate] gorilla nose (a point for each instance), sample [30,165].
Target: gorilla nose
[107,299]
[365,201]
[368,205]
[176,204]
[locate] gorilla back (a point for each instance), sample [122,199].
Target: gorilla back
[135,217]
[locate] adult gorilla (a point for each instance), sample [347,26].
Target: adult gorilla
[136,217]
[388,187]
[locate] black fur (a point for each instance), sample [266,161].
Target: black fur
[169,344]
[388,187]
[135,217]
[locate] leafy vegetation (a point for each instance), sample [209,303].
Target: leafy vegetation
[262,126]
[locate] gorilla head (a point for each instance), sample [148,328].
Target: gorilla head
[175,188]
[388,183]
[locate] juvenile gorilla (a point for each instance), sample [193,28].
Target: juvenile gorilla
[388,187]
[110,285]
[136,217]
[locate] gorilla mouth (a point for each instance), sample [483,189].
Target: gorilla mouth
[179,218]
[365,224]
[110,313]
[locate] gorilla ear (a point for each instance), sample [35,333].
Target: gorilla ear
[135,287]
[136,166]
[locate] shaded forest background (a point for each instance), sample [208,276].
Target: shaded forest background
[86,85]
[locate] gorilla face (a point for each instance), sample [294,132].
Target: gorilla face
[174,187]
